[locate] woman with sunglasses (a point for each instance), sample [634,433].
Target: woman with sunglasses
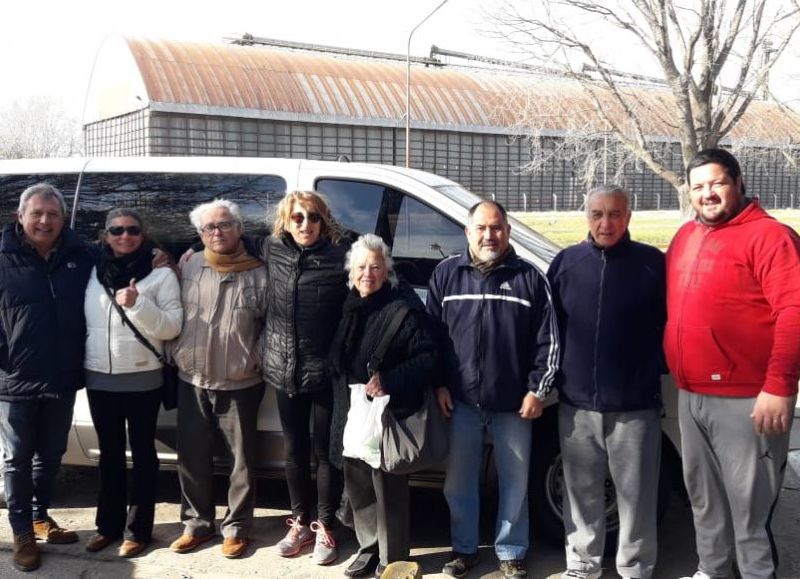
[123,377]
[304,257]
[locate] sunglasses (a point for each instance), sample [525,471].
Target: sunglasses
[312,216]
[117,230]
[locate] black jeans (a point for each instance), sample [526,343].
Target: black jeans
[296,412]
[111,411]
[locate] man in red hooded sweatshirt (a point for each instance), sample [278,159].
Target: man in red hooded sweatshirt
[732,342]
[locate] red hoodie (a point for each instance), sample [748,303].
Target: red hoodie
[733,306]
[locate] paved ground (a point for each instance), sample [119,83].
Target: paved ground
[75,502]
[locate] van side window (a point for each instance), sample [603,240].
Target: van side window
[418,235]
[12,186]
[165,199]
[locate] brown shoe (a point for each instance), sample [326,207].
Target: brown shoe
[26,553]
[49,531]
[233,547]
[130,549]
[98,542]
[186,543]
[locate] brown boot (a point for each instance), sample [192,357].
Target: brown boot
[26,553]
[49,531]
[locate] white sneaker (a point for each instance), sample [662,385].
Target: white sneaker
[698,575]
[298,537]
[325,545]
[576,574]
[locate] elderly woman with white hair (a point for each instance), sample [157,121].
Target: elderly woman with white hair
[379,499]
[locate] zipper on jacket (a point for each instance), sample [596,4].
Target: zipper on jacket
[108,334]
[50,283]
[482,304]
[295,345]
[603,261]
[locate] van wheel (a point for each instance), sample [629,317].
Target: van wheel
[546,491]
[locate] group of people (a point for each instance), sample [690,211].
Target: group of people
[303,311]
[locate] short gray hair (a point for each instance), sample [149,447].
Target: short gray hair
[124,212]
[611,189]
[41,190]
[372,243]
[197,213]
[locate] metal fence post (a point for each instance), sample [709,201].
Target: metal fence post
[555,202]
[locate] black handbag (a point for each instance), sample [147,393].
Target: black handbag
[416,442]
[169,386]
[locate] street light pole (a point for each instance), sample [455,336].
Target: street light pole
[408,81]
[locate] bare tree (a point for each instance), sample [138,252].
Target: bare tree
[711,58]
[38,127]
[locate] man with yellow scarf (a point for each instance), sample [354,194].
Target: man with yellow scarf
[223,291]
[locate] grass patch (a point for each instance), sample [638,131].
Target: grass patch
[653,227]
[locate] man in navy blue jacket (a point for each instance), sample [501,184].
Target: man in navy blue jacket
[502,347]
[610,300]
[44,269]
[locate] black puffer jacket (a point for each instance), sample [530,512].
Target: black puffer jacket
[42,328]
[306,288]
[409,365]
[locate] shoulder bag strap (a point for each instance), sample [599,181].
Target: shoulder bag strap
[125,320]
[376,360]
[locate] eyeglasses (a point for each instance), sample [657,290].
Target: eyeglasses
[223,226]
[312,216]
[117,230]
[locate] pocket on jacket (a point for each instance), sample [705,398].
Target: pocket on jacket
[703,357]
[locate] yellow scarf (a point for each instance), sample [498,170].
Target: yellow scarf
[239,260]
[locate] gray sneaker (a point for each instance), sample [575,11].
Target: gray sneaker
[298,537]
[325,545]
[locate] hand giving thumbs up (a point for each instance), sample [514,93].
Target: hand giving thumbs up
[126,297]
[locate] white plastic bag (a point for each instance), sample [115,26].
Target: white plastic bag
[364,427]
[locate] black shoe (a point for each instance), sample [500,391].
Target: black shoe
[513,568]
[460,564]
[363,566]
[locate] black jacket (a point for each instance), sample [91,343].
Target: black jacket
[502,340]
[305,291]
[409,363]
[42,328]
[611,309]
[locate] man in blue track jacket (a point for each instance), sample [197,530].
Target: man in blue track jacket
[610,300]
[502,356]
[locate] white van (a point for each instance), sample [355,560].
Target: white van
[421,216]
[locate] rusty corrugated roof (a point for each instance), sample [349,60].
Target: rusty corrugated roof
[269,82]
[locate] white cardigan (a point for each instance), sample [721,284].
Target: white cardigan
[111,347]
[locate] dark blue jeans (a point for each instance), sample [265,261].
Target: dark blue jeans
[35,437]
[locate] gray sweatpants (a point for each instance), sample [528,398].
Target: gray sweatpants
[627,447]
[733,477]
